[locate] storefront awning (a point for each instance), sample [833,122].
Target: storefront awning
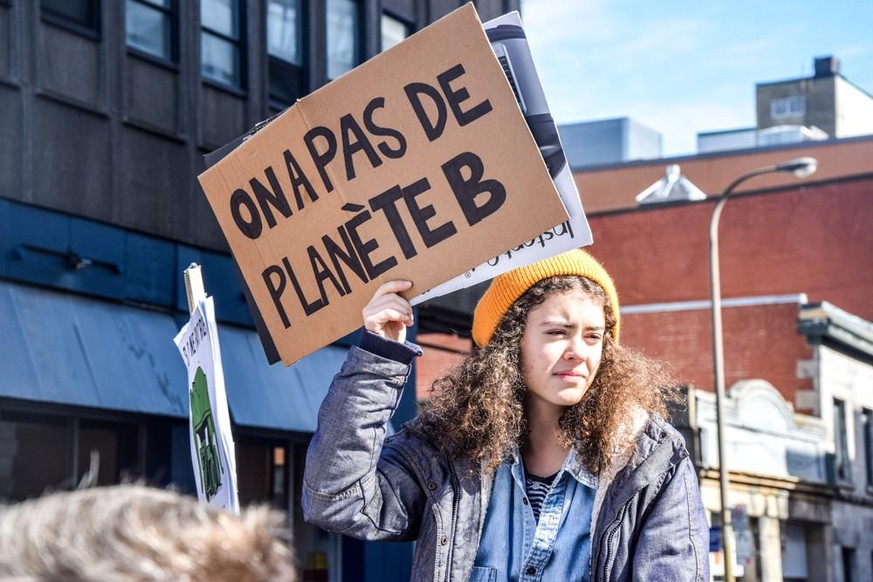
[67,349]
[274,396]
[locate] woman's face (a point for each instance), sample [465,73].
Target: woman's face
[561,348]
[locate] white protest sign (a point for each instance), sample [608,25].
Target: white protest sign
[509,43]
[212,448]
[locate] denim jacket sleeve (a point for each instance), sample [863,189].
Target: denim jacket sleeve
[352,484]
[673,542]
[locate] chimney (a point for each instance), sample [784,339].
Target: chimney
[827,66]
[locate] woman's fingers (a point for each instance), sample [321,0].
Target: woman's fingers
[388,301]
[381,315]
[391,287]
[388,314]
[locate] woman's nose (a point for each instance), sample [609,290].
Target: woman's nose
[576,349]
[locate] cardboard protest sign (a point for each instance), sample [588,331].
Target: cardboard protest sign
[510,45]
[212,448]
[416,165]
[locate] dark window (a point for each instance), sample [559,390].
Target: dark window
[394,31]
[108,452]
[83,15]
[35,455]
[160,453]
[221,41]
[262,472]
[279,482]
[841,448]
[867,420]
[151,27]
[849,574]
[285,50]
[343,36]
[41,453]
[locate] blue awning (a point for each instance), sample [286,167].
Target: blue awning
[68,349]
[274,396]
[72,350]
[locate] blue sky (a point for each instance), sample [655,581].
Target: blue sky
[682,67]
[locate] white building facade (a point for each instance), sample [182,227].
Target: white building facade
[801,484]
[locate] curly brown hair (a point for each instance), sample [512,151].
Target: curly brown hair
[478,410]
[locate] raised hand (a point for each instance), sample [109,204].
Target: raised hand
[388,314]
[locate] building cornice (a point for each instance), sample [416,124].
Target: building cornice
[798,298]
[774,483]
[823,322]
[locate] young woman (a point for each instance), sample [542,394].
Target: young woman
[544,456]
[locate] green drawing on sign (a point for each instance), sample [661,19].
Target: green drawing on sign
[204,436]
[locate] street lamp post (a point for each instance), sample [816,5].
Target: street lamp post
[800,167]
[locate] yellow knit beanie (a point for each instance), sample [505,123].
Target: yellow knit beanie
[508,287]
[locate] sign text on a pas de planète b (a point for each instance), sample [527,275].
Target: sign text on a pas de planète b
[416,165]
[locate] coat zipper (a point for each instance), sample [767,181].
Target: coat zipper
[609,535]
[456,488]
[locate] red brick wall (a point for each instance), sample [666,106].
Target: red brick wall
[441,352]
[616,186]
[816,239]
[760,341]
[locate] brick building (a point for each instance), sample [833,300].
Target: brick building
[812,238]
[797,300]
[799,400]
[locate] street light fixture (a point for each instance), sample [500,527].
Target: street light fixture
[802,168]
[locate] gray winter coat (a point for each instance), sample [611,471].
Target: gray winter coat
[648,520]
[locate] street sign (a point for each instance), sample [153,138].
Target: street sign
[714,538]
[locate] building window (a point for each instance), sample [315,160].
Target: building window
[150,26]
[263,472]
[394,31]
[285,50]
[110,450]
[221,41]
[794,551]
[35,455]
[82,15]
[841,448]
[343,36]
[849,574]
[47,452]
[284,31]
[867,420]
[793,106]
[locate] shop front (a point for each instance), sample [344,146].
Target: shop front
[93,392]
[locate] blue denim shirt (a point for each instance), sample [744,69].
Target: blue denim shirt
[514,546]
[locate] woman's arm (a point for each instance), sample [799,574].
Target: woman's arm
[351,485]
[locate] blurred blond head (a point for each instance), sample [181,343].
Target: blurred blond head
[132,532]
